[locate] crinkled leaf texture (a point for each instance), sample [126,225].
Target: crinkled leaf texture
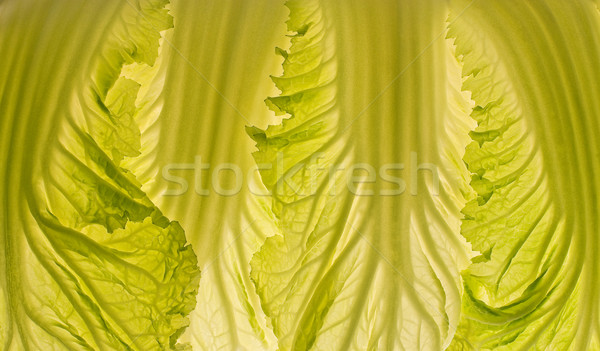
[215,84]
[88,261]
[345,272]
[532,68]
[479,120]
[377,266]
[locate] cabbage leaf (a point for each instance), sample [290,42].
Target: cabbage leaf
[415,175]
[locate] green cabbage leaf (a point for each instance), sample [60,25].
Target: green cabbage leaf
[347,175]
